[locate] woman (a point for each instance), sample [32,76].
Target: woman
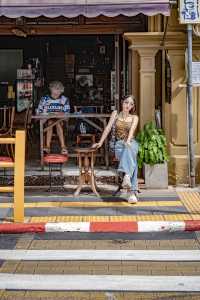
[55,103]
[126,147]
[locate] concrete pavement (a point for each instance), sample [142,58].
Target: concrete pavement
[156,206]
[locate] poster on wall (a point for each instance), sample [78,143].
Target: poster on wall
[196,72]
[24,94]
[189,11]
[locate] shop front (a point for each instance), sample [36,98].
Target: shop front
[99,50]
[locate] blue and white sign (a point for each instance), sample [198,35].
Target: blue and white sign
[189,11]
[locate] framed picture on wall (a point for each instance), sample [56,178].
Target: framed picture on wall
[84,80]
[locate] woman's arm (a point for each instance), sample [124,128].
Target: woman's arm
[106,130]
[133,128]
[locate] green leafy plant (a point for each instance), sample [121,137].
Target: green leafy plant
[152,145]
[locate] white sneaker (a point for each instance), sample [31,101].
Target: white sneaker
[132,198]
[126,184]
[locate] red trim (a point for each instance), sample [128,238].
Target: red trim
[94,227]
[113,227]
[55,158]
[192,225]
[6,159]
[22,228]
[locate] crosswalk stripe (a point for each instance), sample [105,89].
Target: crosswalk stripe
[99,283]
[102,255]
[94,204]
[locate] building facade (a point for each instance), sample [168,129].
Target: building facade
[170,38]
[156,45]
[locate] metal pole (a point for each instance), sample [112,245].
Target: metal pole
[190,110]
[124,90]
[117,73]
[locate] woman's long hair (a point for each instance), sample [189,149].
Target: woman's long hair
[133,109]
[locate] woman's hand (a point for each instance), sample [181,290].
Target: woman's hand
[128,143]
[96,145]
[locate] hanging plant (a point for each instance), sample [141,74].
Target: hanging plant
[152,145]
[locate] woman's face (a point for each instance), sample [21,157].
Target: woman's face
[55,92]
[127,105]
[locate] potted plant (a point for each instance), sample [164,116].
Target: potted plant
[152,156]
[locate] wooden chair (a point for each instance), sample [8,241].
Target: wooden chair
[7,115]
[87,138]
[22,119]
[98,109]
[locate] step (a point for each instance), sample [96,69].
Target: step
[35,176]
[100,255]
[99,283]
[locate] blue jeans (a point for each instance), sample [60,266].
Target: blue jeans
[127,156]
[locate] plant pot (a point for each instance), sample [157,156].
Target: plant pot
[156,176]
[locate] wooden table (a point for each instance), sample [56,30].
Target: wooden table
[60,117]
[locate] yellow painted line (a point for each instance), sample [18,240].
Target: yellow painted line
[195,216]
[150,218]
[191,200]
[94,204]
[178,217]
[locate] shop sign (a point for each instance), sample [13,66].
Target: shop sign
[189,11]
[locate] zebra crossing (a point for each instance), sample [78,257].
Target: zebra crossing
[69,282]
[52,262]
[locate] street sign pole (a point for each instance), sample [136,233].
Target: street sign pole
[190,109]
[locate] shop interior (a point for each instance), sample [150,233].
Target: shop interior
[85,64]
[90,66]
[77,61]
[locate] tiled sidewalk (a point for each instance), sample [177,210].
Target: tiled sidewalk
[183,205]
[35,241]
[165,206]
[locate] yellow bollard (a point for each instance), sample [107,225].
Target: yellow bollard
[19,170]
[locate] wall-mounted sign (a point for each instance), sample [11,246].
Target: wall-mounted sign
[195,72]
[189,11]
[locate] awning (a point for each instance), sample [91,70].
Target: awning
[88,8]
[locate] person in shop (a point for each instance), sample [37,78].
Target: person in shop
[55,102]
[126,147]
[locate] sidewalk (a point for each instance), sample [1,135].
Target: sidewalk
[167,205]
[174,204]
